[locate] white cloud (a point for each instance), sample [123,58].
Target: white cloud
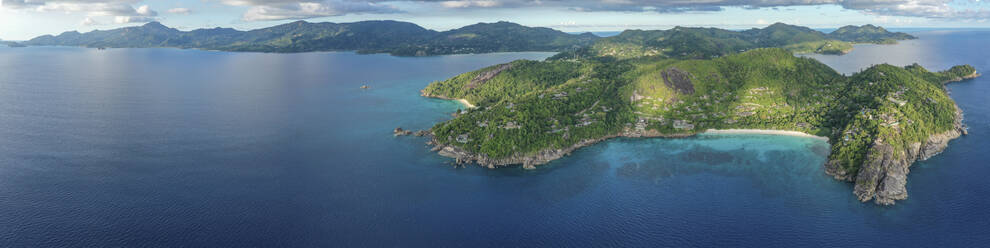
[301,9]
[282,9]
[89,21]
[122,11]
[132,19]
[144,10]
[467,4]
[90,7]
[180,11]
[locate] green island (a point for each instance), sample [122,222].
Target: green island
[686,81]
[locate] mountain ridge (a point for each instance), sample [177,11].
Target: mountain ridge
[706,43]
[373,36]
[409,39]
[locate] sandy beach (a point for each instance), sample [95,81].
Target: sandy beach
[762,131]
[466,103]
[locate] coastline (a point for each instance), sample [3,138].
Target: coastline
[764,132]
[881,177]
[459,100]
[466,103]
[532,160]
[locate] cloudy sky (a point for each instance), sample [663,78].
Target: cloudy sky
[24,19]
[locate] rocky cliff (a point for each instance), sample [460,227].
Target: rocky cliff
[883,175]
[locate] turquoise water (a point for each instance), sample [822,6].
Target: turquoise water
[165,147]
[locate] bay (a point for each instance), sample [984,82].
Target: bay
[168,147]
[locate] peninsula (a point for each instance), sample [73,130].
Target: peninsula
[644,84]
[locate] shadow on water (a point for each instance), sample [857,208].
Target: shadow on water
[773,165]
[554,182]
[773,170]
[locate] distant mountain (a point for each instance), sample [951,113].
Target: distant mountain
[700,43]
[499,37]
[150,35]
[408,39]
[10,43]
[780,34]
[868,34]
[398,38]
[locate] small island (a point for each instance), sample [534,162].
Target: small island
[878,121]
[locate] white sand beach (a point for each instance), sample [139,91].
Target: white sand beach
[763,131]
[466,103]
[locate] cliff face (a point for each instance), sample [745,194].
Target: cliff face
[883,175]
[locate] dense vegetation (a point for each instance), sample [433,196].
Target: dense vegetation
[706,43]
[407,39]
[398,38]
[525,107]
[868,34]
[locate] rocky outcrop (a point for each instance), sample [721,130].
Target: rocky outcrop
[834,168]
[422,133]
[975,74]
[400,132]
[678,80]
[883,175]
[488,75]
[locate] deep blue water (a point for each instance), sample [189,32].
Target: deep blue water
[165,147]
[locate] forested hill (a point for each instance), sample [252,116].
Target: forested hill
[394,37]
[879,121]
[868,34]
[705,43]
[408,39]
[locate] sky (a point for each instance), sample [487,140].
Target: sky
[25,19]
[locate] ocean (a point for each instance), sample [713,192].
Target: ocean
[189,148]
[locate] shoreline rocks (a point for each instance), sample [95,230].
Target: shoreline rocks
[542,157]
[882,177]
[400,132]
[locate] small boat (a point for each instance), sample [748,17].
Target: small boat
[365,87]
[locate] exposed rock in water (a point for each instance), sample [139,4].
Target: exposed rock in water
[421,133]
[399,132]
